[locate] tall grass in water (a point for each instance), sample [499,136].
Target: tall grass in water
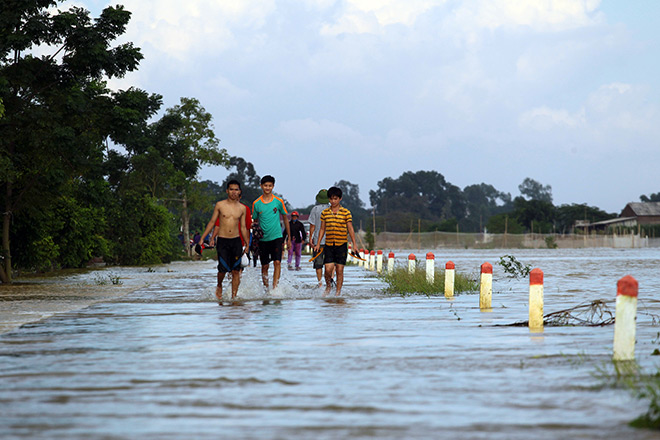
[643,385]
[401,282]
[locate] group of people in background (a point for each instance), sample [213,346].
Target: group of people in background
[236,230]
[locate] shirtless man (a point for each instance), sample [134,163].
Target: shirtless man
[232,214]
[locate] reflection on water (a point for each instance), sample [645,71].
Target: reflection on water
[166,362]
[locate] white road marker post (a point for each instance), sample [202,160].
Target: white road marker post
[411,264]
[379,261]
[430,268]
[486,286]
[625,319]
[536,300]
[372,260]
[390,263]
[449,279]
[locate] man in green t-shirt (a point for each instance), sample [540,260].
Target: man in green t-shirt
[267,210]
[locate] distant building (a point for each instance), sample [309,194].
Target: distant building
[645,213]
[633,215]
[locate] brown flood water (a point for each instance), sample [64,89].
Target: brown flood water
[157,358]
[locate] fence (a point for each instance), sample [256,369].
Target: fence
[453,240]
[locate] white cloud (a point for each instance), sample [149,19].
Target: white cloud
[625,107]
[543,15]
[179,29]
[370,16]
[613,114]
[544,118]
[308,130]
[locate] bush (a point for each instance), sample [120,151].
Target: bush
[402,282]
[139,229]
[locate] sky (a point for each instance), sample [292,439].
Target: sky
[566,92]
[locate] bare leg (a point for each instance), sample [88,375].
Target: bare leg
[235,282]
[319,275]
[218,290]
[340,278]
[264,274]
[329,272]
[277,267]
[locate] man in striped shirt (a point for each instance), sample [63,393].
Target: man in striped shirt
[336,225]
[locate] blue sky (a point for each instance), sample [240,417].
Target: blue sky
[314,91]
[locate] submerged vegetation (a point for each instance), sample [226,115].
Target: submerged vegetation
[644,386]
[403,283]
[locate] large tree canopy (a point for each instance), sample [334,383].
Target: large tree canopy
[425,194]
[55,104]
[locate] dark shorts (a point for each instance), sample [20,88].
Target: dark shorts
[270,251]
[320,260]
[230,251]
[336,254]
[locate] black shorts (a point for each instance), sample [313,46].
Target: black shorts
[230,251]
[270,250]
[336,254]
[320,260]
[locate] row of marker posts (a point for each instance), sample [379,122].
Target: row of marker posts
[626,299]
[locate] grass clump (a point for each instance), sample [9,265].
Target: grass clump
[644,386]
[402,282]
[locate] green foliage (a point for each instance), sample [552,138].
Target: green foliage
[566,215]
[55,118]
[402,282]
[534,215]
[66,235]
[369,238]
[644,386]
[245,173]
[139,232]
[551,242]
[514,268]
[533,190]
[501,223]
[424,195]
[654,197]
[483,201]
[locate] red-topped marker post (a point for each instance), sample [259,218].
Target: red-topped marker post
[430,268]
[536,300]
[486,286]
[379,261]
[449,279]
[411,263]
[625,319]
[390,263]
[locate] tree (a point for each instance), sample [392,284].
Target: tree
[245,173]
[52,130]
[424,194]
[655,197]
[350,196]
[195,145]
[504,223]
[567,215]
[483,201]
[534,215]
[533,190]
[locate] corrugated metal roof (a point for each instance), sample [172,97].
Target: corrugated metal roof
[644,209]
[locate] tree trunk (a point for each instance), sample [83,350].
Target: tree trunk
[5,256]
[185,219]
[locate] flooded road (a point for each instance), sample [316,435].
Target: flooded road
[166,362]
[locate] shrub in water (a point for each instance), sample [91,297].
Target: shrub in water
[402,282]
